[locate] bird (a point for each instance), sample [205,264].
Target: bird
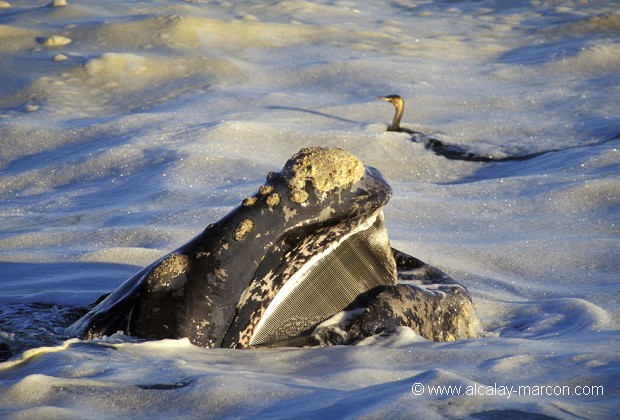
[399,104]
[449,151]
[430,143]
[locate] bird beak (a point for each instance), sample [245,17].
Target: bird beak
[384,98]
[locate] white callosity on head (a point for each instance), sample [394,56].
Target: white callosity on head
[325,168]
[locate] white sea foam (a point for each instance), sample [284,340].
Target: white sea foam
[164,116]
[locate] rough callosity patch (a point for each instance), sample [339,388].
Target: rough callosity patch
[325,168]
[298,196]
[243,228]
[166,271]
[265,189]
[250,201]
[273,200]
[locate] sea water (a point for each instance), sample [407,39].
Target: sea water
[127,127]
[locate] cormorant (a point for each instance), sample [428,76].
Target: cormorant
[399,104]
[440,148]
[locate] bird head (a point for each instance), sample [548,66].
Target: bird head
[395,100]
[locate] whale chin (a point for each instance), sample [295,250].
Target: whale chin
[349,268]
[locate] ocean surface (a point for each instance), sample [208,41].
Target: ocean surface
[127,127]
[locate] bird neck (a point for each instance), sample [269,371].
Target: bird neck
[400,109]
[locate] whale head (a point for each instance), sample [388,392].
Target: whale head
[310,243]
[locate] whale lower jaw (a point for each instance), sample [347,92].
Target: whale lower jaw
[329,282]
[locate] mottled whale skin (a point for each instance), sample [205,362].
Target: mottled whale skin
[309,221]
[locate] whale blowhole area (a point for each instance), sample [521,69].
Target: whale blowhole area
[326,168]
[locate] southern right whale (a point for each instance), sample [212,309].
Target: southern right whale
[310,244]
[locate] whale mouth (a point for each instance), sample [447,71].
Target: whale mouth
[329,282]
